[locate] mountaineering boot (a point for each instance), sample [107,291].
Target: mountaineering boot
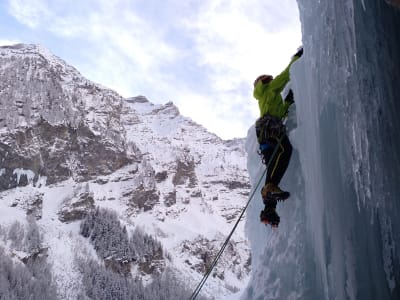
[272,192]
[268,216]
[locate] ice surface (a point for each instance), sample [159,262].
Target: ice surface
[339,235]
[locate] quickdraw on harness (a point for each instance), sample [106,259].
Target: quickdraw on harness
[269,131]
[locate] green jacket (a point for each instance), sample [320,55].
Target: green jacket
[269,94]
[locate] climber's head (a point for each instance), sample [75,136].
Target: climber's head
[263,78]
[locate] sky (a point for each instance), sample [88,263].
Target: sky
[203,55]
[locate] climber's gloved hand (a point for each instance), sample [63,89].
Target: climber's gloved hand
[299,52]
[289,98]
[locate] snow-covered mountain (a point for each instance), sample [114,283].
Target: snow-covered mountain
[79,163]
[339,234]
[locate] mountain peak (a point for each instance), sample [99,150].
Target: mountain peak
[39,85]
[33,50]
[43,100]
[137,99]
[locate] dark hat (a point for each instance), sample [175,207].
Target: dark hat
[264,78]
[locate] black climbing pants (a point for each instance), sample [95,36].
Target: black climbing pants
[280,162]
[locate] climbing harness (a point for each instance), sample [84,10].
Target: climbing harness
[217,257]
[269,128]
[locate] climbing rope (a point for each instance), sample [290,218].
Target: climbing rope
[217,257]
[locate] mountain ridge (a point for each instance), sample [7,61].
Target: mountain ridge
[69,146]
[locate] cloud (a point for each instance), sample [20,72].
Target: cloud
[116,36]
[232,118]
[30,12]
[237,43]
[202,55]
[232,39]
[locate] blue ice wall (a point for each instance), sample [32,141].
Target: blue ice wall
[339,236]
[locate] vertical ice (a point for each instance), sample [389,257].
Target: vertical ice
[339,236]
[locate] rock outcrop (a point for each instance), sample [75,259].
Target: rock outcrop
[53,122]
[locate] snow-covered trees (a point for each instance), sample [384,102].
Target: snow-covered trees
[33,238]
[101,283]
[28,275]
[16,235]
[109,238]
[113,279]
[112,242]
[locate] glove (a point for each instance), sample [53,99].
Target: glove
[299,52]
[289,97]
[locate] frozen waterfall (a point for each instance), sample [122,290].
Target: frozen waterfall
[339,236]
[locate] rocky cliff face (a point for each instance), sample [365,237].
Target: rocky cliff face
[53,122]
[68,145]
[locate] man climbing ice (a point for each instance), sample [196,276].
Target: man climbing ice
[271,135]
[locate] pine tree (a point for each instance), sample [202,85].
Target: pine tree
[19,281]
[16,235]
[32,242]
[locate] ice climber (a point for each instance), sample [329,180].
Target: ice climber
[271,133]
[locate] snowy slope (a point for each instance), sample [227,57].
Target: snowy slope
[208,186]
[157,169]
[339,234]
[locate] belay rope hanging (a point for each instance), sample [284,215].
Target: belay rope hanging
[218,256]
